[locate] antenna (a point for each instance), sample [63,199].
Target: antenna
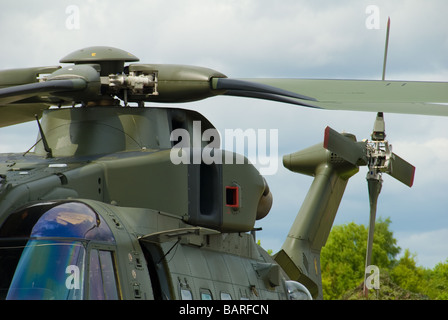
[44,139]
[385,49]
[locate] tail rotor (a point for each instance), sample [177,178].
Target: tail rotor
[378,156]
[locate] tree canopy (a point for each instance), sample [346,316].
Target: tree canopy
[343,265]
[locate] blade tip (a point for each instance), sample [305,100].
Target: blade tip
[411,183]
[326,137]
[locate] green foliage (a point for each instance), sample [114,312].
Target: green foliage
[388,291]
[343,257]
[269,251]
[343,263]
[406,273]
[437,281]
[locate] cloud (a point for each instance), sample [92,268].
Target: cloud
[18,138]
[430,246]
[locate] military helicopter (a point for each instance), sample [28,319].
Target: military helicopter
[98,210]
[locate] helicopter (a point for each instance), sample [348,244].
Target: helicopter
[98,210]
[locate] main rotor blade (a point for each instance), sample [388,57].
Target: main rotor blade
[401,170]
[249,86]
[12,114]
[24,91]
[14,77]
[346,148]
[268,96]
[17,103]
[407,97]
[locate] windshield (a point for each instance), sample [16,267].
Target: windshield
[49,270]
[43,250]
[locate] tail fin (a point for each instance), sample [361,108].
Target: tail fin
[300,254]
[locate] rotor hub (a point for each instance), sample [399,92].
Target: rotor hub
[110,59]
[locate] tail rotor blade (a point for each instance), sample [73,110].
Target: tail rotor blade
[345,147]
[374,185]
[401,170]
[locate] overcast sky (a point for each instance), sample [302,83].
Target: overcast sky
[260,38]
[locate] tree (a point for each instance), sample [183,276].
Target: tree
[437,281]
[407,274]
[343,257]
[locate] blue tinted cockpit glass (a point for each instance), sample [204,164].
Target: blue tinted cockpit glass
[72,220]
[49,270]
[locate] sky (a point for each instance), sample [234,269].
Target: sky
[277,39]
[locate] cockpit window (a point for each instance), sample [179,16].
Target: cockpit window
[49,270]
[102,276]
[72,220]
[43,250]
[66,219]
